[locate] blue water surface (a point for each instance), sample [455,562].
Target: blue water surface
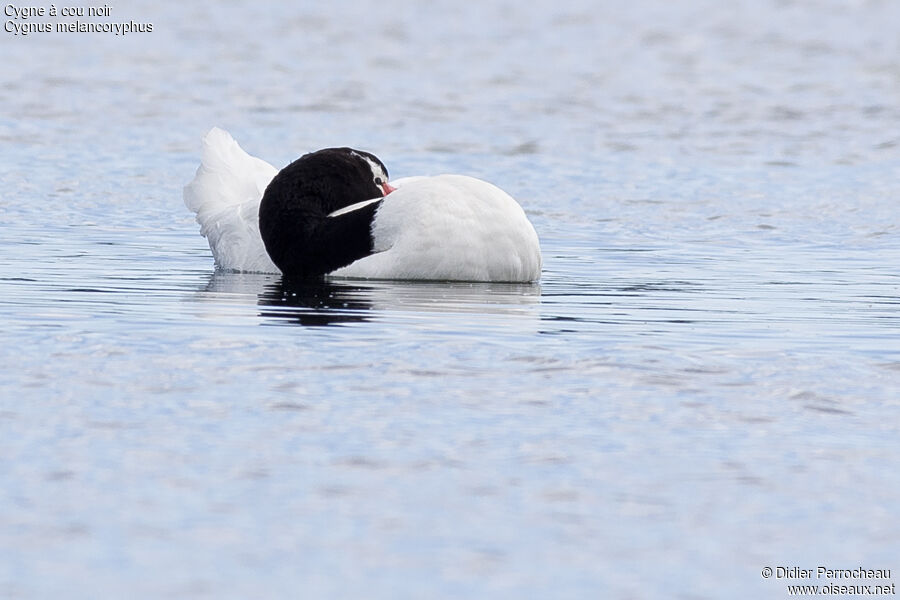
[704,383]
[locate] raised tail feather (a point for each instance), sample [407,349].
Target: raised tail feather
[224,195]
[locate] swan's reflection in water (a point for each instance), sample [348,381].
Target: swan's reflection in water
[315,303]
[347,301]
[344,301]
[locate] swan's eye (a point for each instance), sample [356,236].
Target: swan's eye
[379,181]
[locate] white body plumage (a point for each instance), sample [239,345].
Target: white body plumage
[448,227]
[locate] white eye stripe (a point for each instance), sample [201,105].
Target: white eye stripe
[377,171]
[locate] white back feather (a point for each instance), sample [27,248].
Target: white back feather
[224,195]
[450,227]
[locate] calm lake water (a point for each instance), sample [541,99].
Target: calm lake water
[705,382]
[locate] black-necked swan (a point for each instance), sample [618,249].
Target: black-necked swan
[333,213]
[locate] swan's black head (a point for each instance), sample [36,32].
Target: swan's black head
[330,179]
[294,221]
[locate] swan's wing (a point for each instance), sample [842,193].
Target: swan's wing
[450,227]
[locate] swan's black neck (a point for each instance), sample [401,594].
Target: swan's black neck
[300,237]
